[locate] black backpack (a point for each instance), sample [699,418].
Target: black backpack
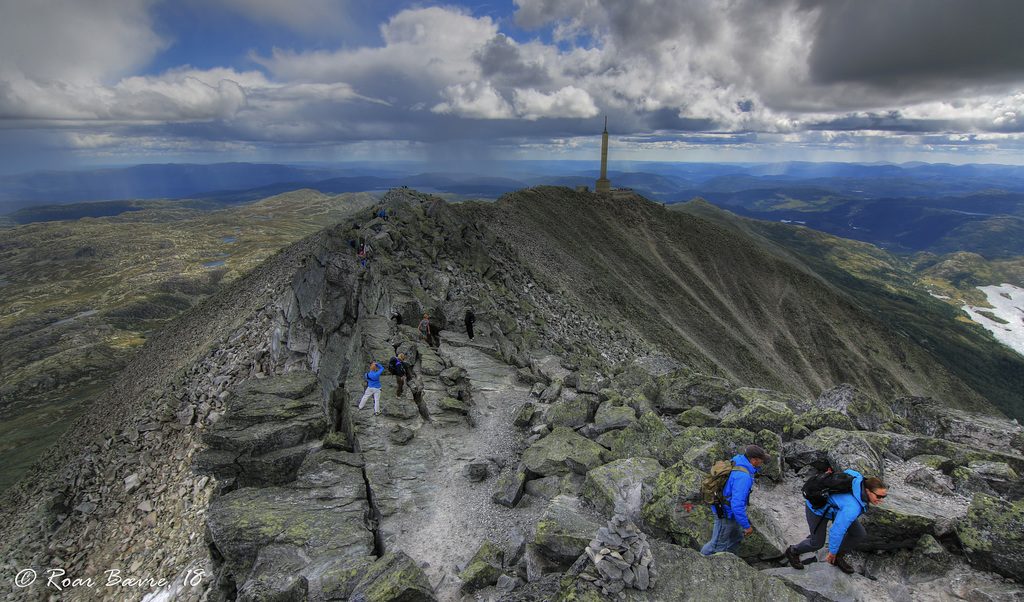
[817,488]
[392,364]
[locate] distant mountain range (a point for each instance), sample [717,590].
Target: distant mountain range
[938,208]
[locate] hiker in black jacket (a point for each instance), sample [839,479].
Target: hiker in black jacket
[470,320]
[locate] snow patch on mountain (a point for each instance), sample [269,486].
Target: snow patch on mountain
[1005,319]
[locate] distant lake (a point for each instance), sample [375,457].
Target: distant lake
[80,314]
[213,264]
[262,219]
[228,239]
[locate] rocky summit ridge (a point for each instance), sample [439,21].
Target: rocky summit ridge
[620,350]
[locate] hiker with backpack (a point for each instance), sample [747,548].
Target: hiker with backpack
[840,498]
[730,503]
[397,367]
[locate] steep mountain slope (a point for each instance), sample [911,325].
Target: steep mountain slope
[899,292]
[713,299]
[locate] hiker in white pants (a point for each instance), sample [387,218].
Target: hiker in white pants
[372,387]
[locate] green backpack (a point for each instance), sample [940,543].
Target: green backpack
[712,486]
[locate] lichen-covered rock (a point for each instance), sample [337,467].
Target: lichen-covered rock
[570,413]
[456,406]
[269,427]
[819,418]
[401,435]
[564,530]
[866,412]
[711,392]
[675,507]
[562,452]
[683,574]
[928,561]
[618,487]
[762,414]
[509,489]
[767,540]
[946,465]
[698,416]
[648,436]
[525,414]
[797,405]
[992,478]
[992,535]
[394,576]
[242,522]
[839,449]
[484,568]
[703,446]
[610,417]
[546,488]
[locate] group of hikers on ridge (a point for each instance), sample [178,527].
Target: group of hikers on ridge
[837,497]
[397,366]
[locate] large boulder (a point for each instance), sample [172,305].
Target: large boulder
[933,419]
[866,412]
[648,436]
[618,487]
[269,427]
[320,515]
[394,576]
[484,568]
[564,530]
[992,535]
[839,450]
[572,413]
[992,478]
[683,574]
[821,581]
[610,417]
[562,452]
[681,394]
[762,414]
[675,508]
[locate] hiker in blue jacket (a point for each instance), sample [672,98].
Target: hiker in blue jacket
[372,387]
[731,528]
[846,533]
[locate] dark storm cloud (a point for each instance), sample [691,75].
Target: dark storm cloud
[501,60]
[918,42]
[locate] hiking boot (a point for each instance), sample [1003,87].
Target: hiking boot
[794,559]
[842,565]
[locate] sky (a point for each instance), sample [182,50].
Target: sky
[85,83]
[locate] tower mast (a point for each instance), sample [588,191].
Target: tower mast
[603,185]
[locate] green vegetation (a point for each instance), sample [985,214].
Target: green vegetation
[79,297]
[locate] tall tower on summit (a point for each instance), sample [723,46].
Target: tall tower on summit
[603,185]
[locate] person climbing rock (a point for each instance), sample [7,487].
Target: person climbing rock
[397,367]
[470,320]
[372,387]
[732,523]
[843,509]
[430,332]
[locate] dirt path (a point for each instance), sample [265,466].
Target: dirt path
[454,516]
